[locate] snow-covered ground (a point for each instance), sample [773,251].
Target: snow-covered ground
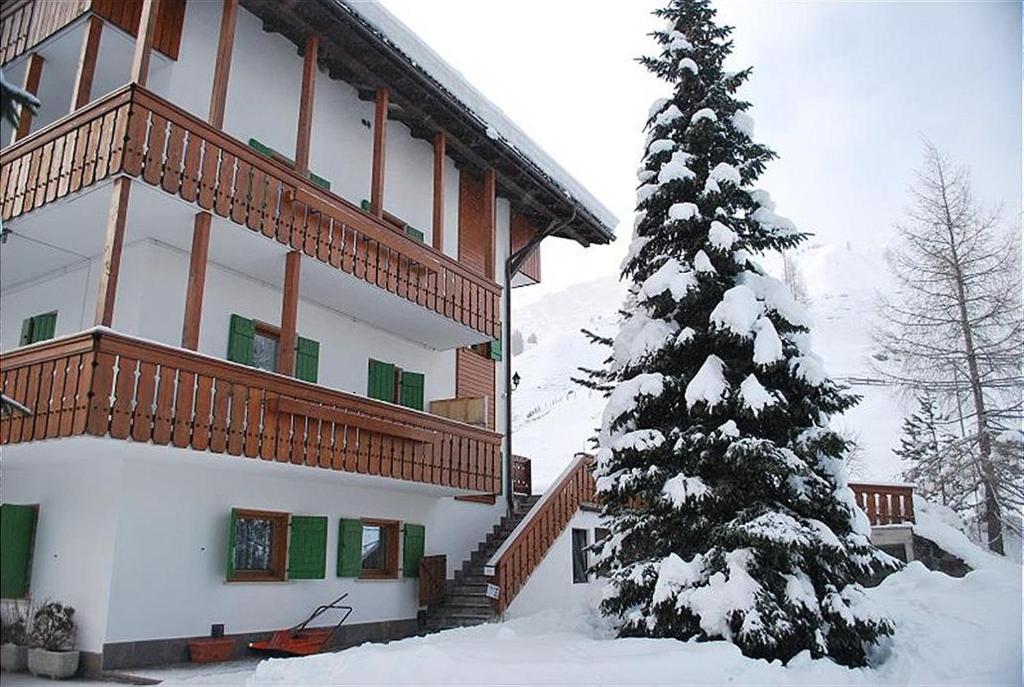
[553,417]
[948,632]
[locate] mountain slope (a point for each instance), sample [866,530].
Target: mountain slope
[553,417]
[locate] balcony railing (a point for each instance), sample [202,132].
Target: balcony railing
[885,504]
[132,131]
[107,384]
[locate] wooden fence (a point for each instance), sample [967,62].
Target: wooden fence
[108,384]
[541,527]
[135,132]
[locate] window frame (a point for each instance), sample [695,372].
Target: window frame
[278,571]
[582,552]
[391,558]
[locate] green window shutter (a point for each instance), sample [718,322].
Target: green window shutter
[241,333]
[415,233]
[320,181]
[26,331]
[412,549]
[307,548]
[44,326]
[350,548]
[17,532]
[495,349]
[381,381]
[412,390]
[232,525]
[307,359]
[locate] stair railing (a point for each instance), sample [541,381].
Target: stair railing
[512,564]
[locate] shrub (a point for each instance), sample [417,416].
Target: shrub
[53,627]
[14,623]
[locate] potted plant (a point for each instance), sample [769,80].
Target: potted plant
[52,642]
[14,626]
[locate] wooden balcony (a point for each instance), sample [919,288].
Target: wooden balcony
[26,23]
[102,383]
[135,132]
[885,504]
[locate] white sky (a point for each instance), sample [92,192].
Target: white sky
[843,91]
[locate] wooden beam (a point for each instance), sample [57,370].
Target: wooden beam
[490,216]
[82,92]
[380,132]
[33,72]
[440,143]
[289,314]
[222,65]
[112,245]
[196,281]
[144,41]
[302,136]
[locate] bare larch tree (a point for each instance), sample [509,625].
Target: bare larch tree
[952,326]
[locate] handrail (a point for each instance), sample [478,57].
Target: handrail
[135,132]
[526,546]
[105,383]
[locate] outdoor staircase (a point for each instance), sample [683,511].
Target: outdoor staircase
[466,602]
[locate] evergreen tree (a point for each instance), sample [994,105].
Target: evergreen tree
[929,451]
[721,482]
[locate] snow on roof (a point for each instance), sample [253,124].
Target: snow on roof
[496,123]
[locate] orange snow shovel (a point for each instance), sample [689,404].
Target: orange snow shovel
[298,641]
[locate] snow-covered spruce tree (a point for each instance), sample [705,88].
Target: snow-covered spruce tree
[722,484]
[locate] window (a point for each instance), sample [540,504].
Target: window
[38,328]
[368,548]
[385,382]
[257,545]
[18,533]
[265,343]
[257,344]
[579,556]
[258,542]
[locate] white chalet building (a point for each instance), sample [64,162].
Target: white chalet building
[254,293]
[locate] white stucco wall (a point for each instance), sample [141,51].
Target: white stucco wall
[74,541]
[135,536]
[551,585]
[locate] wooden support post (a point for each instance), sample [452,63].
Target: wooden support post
[302,136]
[440,142]
[196,281]
[112,251]
[289,314]
[380,135]
[222,66]
[82,92]
[490,217]
[33,72]
[144,41]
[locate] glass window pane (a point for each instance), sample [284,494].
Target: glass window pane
[264,352]
[254,543]
[579,556]
[374,548]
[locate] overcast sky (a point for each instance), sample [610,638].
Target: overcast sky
[842,91]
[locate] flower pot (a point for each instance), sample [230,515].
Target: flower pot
[211,650]
[54,664]
[13,657]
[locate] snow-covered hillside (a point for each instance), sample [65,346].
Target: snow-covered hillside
[553,417]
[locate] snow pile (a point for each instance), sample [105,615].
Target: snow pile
[948,632]
[942,526]
[709,384]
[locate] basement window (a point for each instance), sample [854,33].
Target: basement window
[579,556]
